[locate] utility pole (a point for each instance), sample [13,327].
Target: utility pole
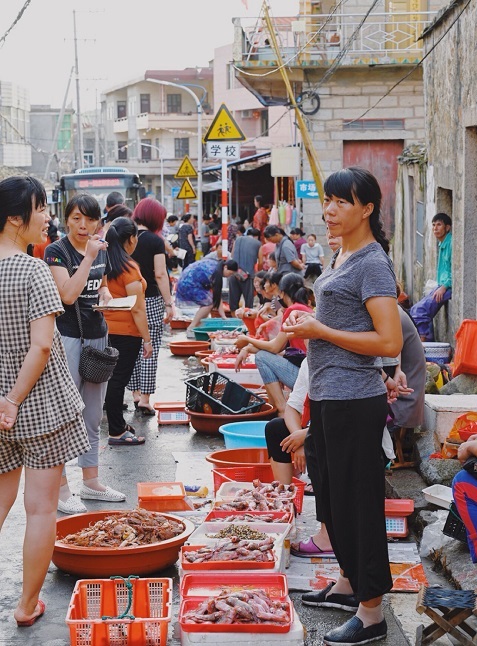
[79,125]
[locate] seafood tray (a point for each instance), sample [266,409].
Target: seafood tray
[228,491]
[278,531]
[245,476]
[219,516]
[197,588]
[293,638]
[96,604]
[224,565]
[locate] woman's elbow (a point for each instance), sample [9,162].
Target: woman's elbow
[43,348]
[391,347]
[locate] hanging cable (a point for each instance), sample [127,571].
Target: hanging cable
[19,15]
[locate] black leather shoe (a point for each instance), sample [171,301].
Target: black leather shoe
[352,633]
[340,601]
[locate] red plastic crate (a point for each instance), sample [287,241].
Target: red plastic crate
[224,565]
[196,587]
[260,472]
[221,514]
[93,599]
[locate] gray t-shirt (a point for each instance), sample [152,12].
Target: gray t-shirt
[341,295]
[246,252]
[285,252]
[312,254]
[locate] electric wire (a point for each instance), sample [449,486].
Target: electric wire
[19,15]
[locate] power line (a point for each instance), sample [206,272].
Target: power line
[19,15]
[416,66]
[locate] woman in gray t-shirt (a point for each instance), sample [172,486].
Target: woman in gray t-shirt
[357,320]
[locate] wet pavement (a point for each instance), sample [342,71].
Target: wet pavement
[122,468]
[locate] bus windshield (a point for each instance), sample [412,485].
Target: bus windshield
[99,182]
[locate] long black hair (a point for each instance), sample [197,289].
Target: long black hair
[120,231]
[217,278]
[18,196]
[356,182]
[293,286]
[87,205]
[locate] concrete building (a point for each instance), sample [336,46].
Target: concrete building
[346,66]
[15,149]
[43,126]
[443,177]
[150,127]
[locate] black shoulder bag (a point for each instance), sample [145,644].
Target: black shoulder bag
[95,366]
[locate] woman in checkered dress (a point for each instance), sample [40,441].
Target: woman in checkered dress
[41,425]
[150,255]
[78,263]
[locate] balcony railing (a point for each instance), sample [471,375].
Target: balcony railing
[385,38]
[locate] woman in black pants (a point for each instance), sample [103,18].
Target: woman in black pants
[356,321]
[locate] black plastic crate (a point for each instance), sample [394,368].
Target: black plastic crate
[454,526]
[220,395]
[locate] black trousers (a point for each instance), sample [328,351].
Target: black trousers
[128,347]
[275,431]
[238,287]
[347,438]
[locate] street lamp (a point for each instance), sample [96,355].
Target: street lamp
[199,142]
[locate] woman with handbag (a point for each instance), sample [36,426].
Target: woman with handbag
[125,327]
[78,264]
[277,369]
[150,255]
[37,436]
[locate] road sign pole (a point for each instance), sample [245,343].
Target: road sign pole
[225,217]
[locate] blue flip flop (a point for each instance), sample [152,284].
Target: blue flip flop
[126,439]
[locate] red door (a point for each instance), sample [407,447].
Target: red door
[379,157]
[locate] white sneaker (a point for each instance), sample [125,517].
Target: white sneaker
[110,495]
[190,334]
[72,506]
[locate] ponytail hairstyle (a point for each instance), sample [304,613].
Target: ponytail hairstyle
[358,183]
[272,230]
[120,231]
[293,286]
[217,277]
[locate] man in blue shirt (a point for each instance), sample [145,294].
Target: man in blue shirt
[425,310]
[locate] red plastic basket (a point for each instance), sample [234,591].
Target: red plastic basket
[206,566]
[195,587]
[95,605]
[260,472]
[465,357]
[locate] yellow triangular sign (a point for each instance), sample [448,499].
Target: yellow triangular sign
[224,127]
[186,169]
[186,192]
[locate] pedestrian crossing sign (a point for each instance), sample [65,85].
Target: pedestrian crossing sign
[186,169]
[224,127]
[186,192]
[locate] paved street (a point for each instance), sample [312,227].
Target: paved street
[122,468]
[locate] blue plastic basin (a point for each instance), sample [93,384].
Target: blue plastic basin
[244,434]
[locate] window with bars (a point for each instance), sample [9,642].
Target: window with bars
[374,124]
[146,150]
[122,110]
[122,151]
[181,147]
[174,103]
[145,102]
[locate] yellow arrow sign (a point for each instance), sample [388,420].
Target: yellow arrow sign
[186,192]
[224,127]
[186,169]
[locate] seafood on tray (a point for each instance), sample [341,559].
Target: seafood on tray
[234,549]
[273,496]
[249,518]
[133,528]
[240,607]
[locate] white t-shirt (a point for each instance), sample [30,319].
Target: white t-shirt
[300,390]
[312,254]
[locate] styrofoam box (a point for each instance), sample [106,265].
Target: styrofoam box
[200,536]
[295,637]
[245,376]
[439,495]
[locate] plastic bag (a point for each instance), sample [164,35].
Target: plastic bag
[464,426]
[432,536]
[430,286]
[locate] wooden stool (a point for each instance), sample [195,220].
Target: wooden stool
[399,436]
[448,610]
